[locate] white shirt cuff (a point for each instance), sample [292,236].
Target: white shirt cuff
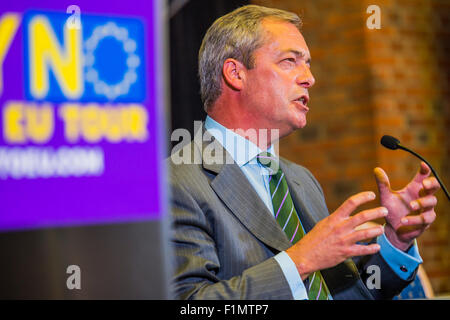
[292,276]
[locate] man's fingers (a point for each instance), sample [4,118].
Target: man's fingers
[423,173]
[431,185]
[382,181]
[423,219]
[365,216]
[362,250]
[364,234]
[353,202]
[424,203]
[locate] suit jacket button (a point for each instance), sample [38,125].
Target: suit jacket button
[403,268]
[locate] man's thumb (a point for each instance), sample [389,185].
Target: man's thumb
[382,180]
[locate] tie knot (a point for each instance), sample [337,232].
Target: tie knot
[269,161]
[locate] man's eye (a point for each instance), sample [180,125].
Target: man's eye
[288,62]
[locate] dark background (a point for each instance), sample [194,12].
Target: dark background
[188,25]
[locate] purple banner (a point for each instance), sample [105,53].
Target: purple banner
[79,113]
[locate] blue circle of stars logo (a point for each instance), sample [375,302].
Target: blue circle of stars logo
[109,82]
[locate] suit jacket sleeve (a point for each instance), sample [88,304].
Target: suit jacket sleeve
[196,261]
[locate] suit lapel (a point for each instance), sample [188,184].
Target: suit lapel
[238,194]
[233,188]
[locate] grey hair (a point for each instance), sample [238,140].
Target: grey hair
[235,35]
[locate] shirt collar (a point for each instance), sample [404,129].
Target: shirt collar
[242,150]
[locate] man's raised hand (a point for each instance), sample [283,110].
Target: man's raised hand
[411,209]
[334,239]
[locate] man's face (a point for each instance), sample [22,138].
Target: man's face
[276,90]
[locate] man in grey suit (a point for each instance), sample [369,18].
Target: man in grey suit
[254,68]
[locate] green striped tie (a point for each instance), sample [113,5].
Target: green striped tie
[287,218]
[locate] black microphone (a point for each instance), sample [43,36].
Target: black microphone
[394,144]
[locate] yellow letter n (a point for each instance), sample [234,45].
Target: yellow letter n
[45,53]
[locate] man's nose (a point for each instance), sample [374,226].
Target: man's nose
[306,78]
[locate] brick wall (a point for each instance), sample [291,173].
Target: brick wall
[395,81]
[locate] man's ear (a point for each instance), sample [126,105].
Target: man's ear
[234,73]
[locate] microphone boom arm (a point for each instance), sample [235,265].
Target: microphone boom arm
[429,165]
